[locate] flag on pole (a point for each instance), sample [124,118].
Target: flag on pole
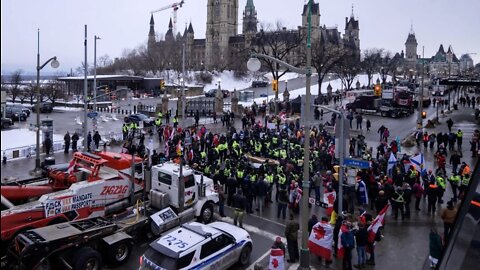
[391,163]
[277,259]
[340,248]
[321,239]
[378,222]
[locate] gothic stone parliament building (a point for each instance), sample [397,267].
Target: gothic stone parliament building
[223,43]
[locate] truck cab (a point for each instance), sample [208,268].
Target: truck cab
[180,194]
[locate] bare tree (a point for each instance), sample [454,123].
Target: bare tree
[280,44]
[325,57]
[16,80]
[388,66]
[54,91]
[348,68]
[371,62]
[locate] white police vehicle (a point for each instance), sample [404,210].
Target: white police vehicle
[194,245]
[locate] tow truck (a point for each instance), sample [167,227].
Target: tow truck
[173,195]
[105,190]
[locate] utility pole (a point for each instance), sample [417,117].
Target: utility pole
[85,94]
[304,252]
[420,99]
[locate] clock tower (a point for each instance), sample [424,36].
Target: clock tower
[222,23]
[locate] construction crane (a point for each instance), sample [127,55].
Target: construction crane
[175,7]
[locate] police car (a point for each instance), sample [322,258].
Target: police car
[194,245]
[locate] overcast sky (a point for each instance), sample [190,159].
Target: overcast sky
[124,24]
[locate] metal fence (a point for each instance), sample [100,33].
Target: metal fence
[29,151]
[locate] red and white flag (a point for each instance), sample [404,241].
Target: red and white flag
[71,166]
[321,239]
[340,248]
[277,259]
[378,222]
[329,198]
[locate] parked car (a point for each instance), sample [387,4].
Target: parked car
[6,122]
[140,117]
[194,245]
[24,109]
[259,84]
[15,114]
[46,107]
[212,93]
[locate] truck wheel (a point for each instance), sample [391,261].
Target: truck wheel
[245,255]
[119,253]
[206,215]
[87,259]
[383,114]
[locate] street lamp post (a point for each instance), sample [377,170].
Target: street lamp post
[95,73]
[183,86]
[254,64]
[54,64]
[420,99]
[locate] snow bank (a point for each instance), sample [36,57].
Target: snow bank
[21,143]
[336,85]
[228,82]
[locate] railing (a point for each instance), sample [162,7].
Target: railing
[29,151]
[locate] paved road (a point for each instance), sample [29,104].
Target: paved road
[405,245]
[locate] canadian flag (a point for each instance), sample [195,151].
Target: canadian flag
[340,248]
[329,198]
[321,239]
[277,259]
[378,222]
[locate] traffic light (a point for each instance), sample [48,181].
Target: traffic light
[377,90]
[162,84]
[424,114]
[337,171]
[275,85]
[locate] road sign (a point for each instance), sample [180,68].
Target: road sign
[357,163]
[92,114]
[317,202]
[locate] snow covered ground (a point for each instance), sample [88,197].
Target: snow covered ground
[336,85]
[24,140]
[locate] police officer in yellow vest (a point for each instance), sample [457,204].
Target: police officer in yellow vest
[125,131]
[269,180]
[160,115]
[464,185]
[441,185]
[175,121]
[240,175]
[455,183]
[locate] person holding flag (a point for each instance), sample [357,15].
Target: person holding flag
[374,234]
[321,240]
[277,255]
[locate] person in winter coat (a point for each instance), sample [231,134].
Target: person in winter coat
[89,141]
[261,188]
[435,247]
[311,222]
[432,195]
[407,195]
[48,145]
[381,201]
[75,139]
[240,203]
[66,138]
[348,243]
[291,233]
[398,202]
[448,217]
[282,202]
[417,192]
[362,194]
[96,139]
[361,239]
